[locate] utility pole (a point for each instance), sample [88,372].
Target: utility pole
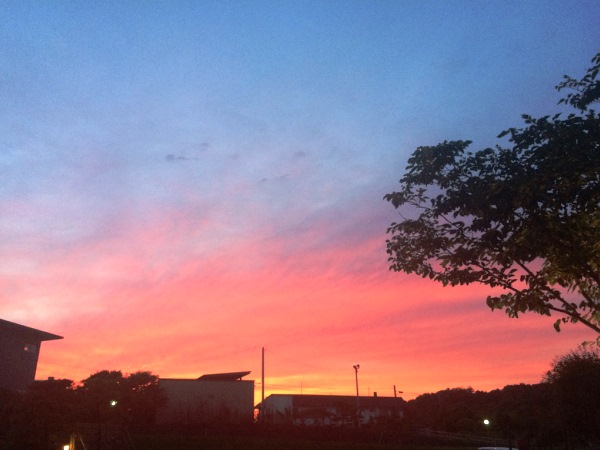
[356,367]
[262,377]
[396,401]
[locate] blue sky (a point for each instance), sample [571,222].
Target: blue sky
[167,162]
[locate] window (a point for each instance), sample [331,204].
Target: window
[30,348]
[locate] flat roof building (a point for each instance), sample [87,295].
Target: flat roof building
[218,398]
[19,353]
[341,410]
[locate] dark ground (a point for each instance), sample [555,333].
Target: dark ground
[174,442]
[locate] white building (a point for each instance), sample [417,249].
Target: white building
[328,409]
[215,398]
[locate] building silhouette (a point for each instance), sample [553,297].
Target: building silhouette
[19,352]
[218,398]
[340,410]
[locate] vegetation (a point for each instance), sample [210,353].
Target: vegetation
[109,396]
[522,219]
[563,411]
[575,378]
[516,413]
[49,411]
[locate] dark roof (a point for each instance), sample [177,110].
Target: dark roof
[27,332]
[316,401]
[230,376]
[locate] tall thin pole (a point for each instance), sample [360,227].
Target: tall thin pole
[356,367]
[396,409]
[262,378]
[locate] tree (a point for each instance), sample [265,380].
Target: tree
[99,394]
[38,418]
[523,219]
[574,378]
[143,397]
[49,411]
[108,396]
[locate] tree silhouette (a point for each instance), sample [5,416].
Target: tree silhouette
[575,380]
[522,219]
[108,396]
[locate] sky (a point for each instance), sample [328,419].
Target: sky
[185,183]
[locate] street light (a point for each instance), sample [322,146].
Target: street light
[486,423]
[356,367]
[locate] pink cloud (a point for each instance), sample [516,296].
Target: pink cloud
[161,295]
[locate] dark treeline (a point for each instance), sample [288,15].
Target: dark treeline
[561,412]
[523,413]
[46,414]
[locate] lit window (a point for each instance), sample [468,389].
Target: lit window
[31,348]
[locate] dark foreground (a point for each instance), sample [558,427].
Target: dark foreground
[170,442]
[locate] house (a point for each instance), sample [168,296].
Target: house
[338,410]
[19,352]
[222,398]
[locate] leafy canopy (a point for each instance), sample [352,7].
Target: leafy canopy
[575,366]
[574,382]
[524,219]
[109,395]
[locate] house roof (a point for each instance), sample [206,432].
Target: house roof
[27,332]
[317,401]
[229,376]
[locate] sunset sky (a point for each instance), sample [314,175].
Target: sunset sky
[184,183]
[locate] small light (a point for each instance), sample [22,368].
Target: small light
[66,447]
[113,403]
[486,421]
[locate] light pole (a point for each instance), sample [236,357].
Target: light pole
[356,367]
[396,392]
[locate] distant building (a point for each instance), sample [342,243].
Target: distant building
[338,410]
[19,352]
[213,398]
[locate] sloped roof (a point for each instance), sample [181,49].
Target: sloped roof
[229,376]
[27,332]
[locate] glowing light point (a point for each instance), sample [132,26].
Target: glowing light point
[113,403]
[486,422]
